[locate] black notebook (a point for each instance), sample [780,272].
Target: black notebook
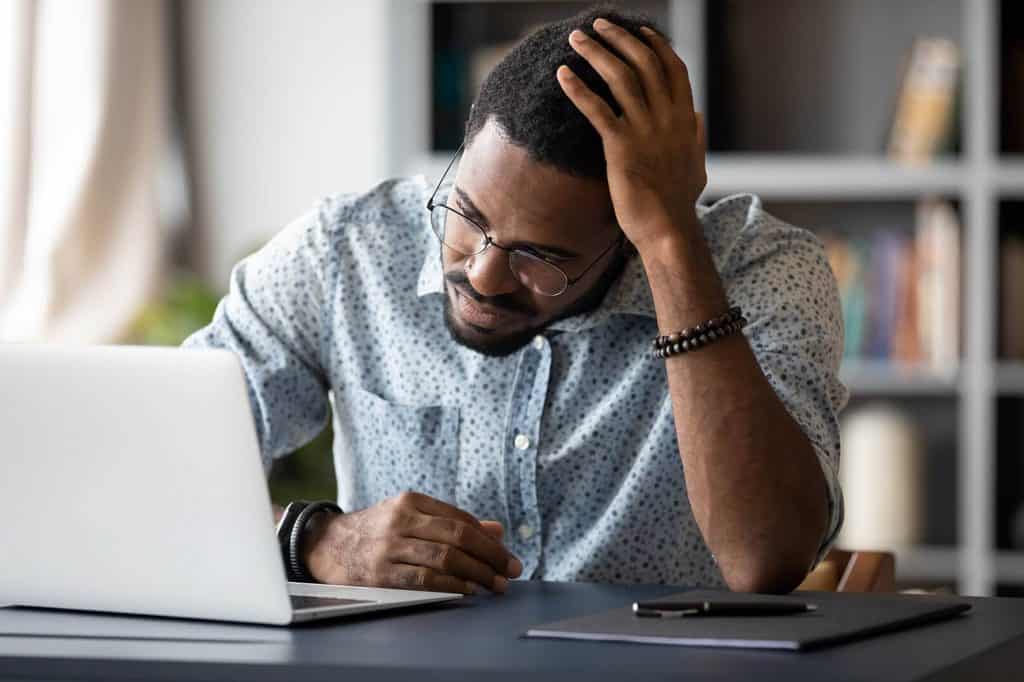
[839,617]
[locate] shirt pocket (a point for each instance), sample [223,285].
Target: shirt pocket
[391,448]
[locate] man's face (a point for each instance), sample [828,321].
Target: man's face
[523,204]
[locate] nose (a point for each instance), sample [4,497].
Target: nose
[489,273]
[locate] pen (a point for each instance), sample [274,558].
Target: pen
[680,609]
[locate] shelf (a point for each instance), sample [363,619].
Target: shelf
[942,564]
[798,177]
[828,177]
[938,564]
[1010,567]
[1010,378]
[883,378]
[1010,176]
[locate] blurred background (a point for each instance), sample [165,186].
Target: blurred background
[148,145]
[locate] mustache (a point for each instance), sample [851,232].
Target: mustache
[505,302]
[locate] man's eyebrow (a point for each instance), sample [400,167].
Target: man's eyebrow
[477,215]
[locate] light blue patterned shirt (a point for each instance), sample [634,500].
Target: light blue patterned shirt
[569,442]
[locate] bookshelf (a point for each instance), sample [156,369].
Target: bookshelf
[810,115]
[1010,379]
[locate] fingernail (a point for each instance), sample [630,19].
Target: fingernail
[500,584]
[648,30]
[515,568]
[565,72]
[602,24]
[578,36]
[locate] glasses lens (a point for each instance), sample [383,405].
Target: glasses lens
[542,277]
[456,232]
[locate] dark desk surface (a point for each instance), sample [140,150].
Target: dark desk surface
[480,639]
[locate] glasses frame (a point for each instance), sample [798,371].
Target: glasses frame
[488,242]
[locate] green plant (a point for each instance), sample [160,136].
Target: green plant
[186,305]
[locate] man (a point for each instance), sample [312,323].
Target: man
[499,410]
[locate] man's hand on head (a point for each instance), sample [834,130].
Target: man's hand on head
[411,541]
[655,149]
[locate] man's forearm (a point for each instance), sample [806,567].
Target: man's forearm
[753,479]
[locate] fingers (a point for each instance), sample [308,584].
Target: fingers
[595,109]
[646,63]
[470,539]
[702,134]
[408,577]
[448,560]
[675,69]
[620,77]
[444,523]
[494,529]
[435,507]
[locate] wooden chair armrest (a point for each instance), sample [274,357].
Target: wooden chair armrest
[869,572]
[842,571]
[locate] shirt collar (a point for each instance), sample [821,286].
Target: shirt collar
[431,279]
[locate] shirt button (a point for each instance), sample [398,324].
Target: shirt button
[538,342]
[521,442]
[525,532]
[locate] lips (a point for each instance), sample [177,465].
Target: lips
[478,315]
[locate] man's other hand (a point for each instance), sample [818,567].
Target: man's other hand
[410,541]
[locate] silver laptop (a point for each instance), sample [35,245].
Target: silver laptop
[131,481]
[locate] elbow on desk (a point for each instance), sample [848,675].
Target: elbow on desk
[770,574]
[766,582]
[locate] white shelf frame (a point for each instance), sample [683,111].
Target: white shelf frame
[864,378]
[976,455]
[1010,379]
[830,177]
[942,565]
[979,177]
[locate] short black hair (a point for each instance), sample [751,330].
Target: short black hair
[523,96]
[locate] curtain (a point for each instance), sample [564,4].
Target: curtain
[83,89]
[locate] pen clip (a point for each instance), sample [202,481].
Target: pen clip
[663,613]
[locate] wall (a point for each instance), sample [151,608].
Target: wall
[285,103]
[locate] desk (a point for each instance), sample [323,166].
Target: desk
[479,639]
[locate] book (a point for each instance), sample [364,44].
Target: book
[938,283]
[890,256]
[899,289]
[906,342]
[926,105]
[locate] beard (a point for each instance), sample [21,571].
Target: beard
[496,344]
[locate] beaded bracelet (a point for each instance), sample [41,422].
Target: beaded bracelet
[697,337]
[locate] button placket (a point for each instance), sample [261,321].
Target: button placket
[527,410]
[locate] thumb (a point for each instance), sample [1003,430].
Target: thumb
[702,133]
[493,528]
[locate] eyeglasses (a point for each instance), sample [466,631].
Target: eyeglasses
[465,236]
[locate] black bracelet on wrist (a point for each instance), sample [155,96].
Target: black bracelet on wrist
[296,567]
[697,337]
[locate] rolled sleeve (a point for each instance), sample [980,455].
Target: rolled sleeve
[274,318]
[781,278]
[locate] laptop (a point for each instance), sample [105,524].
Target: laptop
[132,483]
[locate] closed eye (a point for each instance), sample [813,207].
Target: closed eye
[549,257]
[473,214]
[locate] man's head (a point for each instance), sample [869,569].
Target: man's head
[533,176]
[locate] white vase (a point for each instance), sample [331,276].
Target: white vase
[882,475]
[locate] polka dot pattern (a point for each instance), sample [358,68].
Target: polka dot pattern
[569,442]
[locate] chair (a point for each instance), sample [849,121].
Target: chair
[846,571]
